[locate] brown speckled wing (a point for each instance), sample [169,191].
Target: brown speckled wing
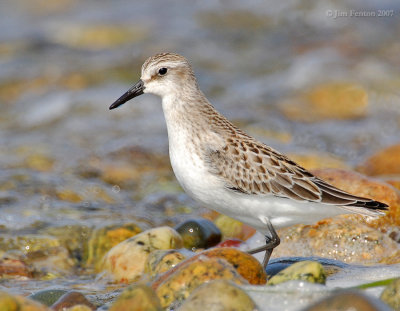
[250,167]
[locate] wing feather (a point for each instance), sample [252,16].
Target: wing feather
[249,167]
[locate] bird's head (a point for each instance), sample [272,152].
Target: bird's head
[162,74]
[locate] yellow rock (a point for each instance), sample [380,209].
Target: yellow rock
[162,260]
[218,295]
[337,100]
[126,261]
[18,303]
[232,228]
[391,294]
[78,308]
[137,298]
[103,239]
[179,283]
[309,271]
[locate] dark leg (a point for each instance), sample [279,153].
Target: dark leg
[270,243]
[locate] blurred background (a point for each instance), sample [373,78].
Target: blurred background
[311,78]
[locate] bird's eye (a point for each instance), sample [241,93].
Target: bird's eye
[162,71]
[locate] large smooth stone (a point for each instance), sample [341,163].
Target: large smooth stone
[309,271]
[161,261]
[137,298]
[218,295]
[125,262]
[176,285]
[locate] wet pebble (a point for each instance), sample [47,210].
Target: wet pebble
[125,262]
[308,271]
[350,300]
[71,299]
[102,239]
[47,296]
[14,268]
[18,303]
[160,261]
[138,297]
[218,295]
[232,228]
[176,285]
[391,294]
[199,233]
[245,264]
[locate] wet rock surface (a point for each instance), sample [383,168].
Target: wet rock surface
[349,301]
[309,271]
[137,298]
[391,294]
[177,284]
[126,261]
[218,295]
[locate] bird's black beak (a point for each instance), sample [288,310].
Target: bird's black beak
[134,91]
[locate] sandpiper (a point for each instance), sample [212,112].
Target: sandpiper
[229,171]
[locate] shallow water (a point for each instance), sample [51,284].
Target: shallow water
[63,64]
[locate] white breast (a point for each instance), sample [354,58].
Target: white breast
[189,168]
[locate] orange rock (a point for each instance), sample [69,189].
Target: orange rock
[385,162]
[364,186]
[247,266]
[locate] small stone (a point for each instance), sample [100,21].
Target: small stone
[71,299]
[78,308]
[199,233]
[101,240]
[309,271]
[161,261]
[176,285]
[232,228]
[47,296]
[218,295]
[18,303]
[126,261]
[346,301]
[137,298]
[391,294]
[14,268]
[384,162]
[245,264]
